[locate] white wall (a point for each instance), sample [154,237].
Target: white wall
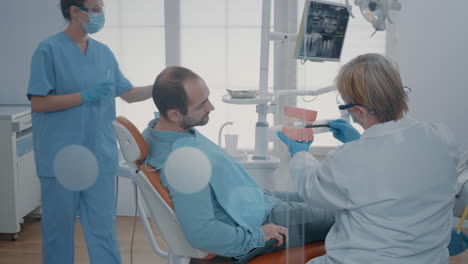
[429,41]
[22,25]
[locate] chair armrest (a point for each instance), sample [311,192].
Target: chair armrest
[258,251]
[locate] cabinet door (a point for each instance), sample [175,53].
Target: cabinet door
[28,196]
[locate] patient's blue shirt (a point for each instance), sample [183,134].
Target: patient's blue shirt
[224,217]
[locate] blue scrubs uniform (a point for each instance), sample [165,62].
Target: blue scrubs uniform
[60,67]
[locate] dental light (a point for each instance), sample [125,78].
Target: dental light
[377,12]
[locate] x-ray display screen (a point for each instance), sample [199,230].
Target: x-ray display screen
[322,32]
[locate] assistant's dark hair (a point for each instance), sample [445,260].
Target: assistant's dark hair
[168,89]
[66,4]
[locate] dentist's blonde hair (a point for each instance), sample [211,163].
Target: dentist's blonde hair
[373,81]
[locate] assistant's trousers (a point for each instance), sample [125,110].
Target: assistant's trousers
[96,208]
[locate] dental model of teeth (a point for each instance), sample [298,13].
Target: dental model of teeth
[301,124]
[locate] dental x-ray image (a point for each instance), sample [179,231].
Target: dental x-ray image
[322,32]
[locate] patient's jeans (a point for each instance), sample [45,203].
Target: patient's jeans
[304,223]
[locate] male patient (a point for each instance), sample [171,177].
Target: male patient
[232,214]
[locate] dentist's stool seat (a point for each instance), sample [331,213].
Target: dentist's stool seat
[157,200]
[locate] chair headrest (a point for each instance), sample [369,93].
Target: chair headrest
[136,149]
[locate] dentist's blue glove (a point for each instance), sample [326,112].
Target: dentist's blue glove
[458,243]
[97,92]
[294,146]
[343,130]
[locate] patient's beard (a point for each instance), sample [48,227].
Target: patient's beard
[188,122]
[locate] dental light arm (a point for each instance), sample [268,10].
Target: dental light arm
[320,91]
[349,7]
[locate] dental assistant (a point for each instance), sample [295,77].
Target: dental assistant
[73,83]
[393,188]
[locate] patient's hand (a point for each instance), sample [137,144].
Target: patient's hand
[271,231]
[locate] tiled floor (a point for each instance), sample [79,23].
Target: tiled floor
[27,249]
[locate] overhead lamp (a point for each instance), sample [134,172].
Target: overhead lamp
[376,12]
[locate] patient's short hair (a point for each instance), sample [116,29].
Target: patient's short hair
[168,89]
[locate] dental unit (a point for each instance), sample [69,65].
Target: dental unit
[261,164]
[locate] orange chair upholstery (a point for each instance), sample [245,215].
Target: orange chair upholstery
[292,255]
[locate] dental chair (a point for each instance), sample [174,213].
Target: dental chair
[161,209]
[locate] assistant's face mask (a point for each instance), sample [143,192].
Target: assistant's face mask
[96,22]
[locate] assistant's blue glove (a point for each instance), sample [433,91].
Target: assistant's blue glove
[294,146]
[96,92]
[343,130]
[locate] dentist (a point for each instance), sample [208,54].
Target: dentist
[393,188]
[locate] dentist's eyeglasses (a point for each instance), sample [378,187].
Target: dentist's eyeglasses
[407,89]
[343,106]
[347,106]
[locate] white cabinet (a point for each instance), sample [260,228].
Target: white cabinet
[19,185]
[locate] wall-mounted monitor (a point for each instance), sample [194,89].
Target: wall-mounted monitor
[322,31]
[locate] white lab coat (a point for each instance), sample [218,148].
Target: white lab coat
[393,191]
